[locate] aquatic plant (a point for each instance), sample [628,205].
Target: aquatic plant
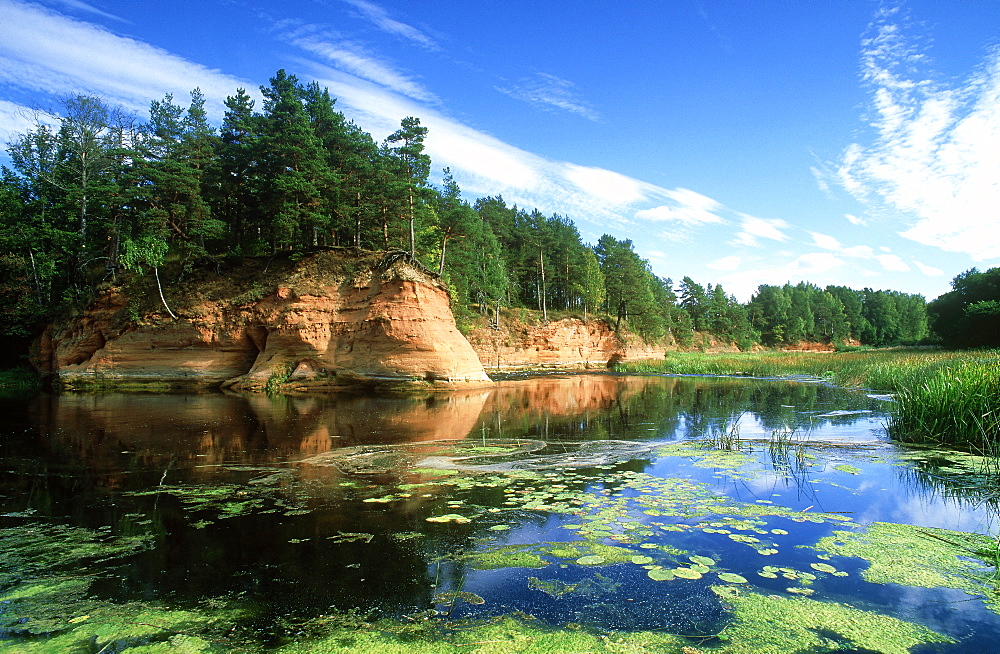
[921,556]
[771,623]
[956,405]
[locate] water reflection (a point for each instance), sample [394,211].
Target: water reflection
[298,506]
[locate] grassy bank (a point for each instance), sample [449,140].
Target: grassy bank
[942,397]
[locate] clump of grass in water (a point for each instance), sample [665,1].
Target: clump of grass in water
[955,405]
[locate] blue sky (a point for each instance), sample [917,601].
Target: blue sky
[736,142]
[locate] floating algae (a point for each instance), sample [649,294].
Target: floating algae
[768,623]
[37,549]
[46,607]
[920,556]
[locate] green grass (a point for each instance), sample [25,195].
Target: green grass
[19,379]
[942,397]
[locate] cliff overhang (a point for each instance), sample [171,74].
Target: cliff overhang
[331,320]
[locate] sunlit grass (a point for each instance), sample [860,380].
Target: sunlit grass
[943,397]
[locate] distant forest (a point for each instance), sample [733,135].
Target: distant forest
[102,192]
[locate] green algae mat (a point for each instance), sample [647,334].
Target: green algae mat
[634,514]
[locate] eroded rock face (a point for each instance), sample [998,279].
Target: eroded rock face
[565,343]
[385,325]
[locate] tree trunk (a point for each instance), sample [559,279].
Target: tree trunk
[444,245]
[541,265]
[413,238]
[156,272]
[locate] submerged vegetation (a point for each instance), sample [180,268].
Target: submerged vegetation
[942,397]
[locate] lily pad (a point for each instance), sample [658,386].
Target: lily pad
[449,517]
[823,567]
[592,559]
[687,573]
[661,575]
[732,577]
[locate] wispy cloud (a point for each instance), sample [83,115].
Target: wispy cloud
[550,92]
[79,5]
[892,263]
[752,229]
[725,263]
[17,119]
[934,151]
[854,220]
[41,50]
[382,20]
[353,58]
[685,207]
[930,271]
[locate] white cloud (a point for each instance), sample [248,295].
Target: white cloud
[78,5]
[685,207]
[725,263]
[608,185]
[935,153]
[930,271]
[17,119]
[352,58]
[826,242]
[381,19]
[859,251]
[41,50]
[753,228]
[550,91]
[892,263]
[854,220]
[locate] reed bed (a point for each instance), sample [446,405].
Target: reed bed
[942,397]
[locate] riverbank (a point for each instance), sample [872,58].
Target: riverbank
[942,397]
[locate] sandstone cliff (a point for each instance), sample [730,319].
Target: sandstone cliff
[566,343]
[328,321]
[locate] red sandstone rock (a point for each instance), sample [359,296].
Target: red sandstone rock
[387,325]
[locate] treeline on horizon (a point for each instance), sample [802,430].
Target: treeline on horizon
[103,192]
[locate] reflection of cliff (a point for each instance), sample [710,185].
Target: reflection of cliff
[214,428]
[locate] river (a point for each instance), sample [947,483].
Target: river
[578,512]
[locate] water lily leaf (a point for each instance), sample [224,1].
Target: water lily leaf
[732,578]
[499,527]
[641,560]
[703,560]
[450,517]
[687,573]
[593,559]
[661,575]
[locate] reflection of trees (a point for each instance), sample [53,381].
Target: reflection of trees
[594,407]
[967,480]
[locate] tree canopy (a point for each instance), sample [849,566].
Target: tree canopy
[104,191]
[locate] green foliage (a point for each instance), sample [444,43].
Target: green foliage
[969,314]
[105,190]
[788,314]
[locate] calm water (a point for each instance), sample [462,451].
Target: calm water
[564,498]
